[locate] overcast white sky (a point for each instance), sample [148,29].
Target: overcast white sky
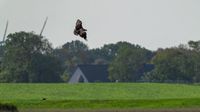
[149,23]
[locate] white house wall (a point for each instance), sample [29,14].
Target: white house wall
[77,74]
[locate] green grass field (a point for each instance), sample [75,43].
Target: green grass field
[101,95]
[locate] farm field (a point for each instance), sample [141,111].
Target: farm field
[101,96]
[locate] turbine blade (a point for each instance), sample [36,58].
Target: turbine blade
[45,22]
[4,36]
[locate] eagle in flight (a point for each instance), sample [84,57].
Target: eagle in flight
[79,30]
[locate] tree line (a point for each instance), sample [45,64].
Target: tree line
[28,57]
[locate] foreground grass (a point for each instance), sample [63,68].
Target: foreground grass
[112,110]
[110,104]
[99,95]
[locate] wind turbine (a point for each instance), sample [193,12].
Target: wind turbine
[4,36]
[45,22]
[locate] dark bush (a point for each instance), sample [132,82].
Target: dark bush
[8,108]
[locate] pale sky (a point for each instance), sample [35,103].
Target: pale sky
[150,23]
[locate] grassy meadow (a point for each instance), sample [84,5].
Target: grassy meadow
[100,96]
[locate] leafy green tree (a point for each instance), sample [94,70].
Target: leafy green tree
[195,45]
[71,54]
[128,61]
[175,64]
[45,68]
[108,52]
[1,51]
[22,51]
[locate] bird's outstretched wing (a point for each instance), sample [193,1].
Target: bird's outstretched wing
[83,34]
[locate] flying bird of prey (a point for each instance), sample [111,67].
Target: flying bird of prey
[79,30]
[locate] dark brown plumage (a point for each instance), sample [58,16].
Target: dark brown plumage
[79,30]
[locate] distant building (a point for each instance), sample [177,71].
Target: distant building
[90,73]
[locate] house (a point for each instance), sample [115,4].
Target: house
[90,73]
